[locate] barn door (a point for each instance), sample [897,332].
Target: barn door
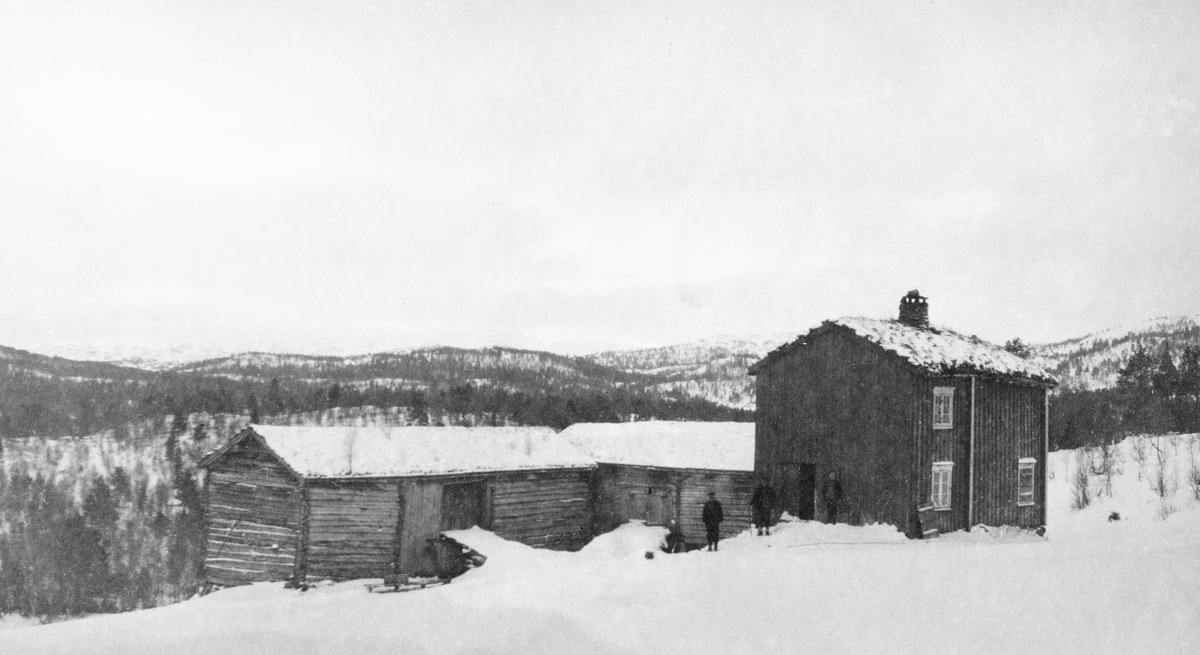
[654,505]
[463,506]
[799,489]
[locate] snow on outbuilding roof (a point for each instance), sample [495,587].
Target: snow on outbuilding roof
[354,452]
[667,444]
[936,351]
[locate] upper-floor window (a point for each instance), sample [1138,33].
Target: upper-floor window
[943,408]
[1025,469]
[941,484]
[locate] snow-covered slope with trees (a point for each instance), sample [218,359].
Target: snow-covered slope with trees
[1095,360]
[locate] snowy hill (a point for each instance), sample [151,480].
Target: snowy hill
[1094,586]
[1094,360]
[714,369]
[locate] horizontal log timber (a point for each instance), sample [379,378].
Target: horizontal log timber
[228,497]
[265,511]
[252,541]
[325,545]
[228,523]
[539,500]
[319,512]
[531,526]
[281,518]
[265,480]
[330,527]
[563,509]
[216,553]
[252,570]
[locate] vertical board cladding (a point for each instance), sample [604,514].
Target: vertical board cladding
[766,425]
[943,445]
[545,509]
[422,522]
[844,405]
[253,516]
[1009,426]
[351,528]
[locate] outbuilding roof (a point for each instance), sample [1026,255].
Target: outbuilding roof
[667,444]
[934,351]
[354,452]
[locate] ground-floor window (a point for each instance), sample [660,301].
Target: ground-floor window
[941,484]
[1025,469]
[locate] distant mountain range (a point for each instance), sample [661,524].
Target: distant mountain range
[711,369]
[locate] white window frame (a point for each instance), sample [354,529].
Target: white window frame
[1026,496]
[940,491]
[943,408]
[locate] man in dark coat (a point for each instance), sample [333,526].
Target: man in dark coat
[762,505]
[712,516]
[831,491]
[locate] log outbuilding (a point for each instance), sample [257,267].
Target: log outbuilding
[297,503]
[659,471]
[929,430]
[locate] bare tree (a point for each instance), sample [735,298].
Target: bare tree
[1105,462]
[1163,482]
[1194,469]
[1081,495]
[1141,454]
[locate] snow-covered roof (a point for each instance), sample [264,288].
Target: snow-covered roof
[936,351]
[353,452]
[667,444]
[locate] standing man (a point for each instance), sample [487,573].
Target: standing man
[712,516]
[762,506]
[831,491]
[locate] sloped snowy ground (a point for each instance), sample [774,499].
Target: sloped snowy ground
[1095,586]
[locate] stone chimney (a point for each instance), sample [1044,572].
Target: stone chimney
[914,311]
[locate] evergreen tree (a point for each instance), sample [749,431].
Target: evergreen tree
[1018,348]
[1166,376]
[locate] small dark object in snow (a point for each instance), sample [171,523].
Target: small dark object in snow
[649,554]
[1115,516]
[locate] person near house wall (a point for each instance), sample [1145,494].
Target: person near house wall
[712,515]
[762,505]
[831,492]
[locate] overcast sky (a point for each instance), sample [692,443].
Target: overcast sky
[348,176]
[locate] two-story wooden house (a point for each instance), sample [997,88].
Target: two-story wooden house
[910,416]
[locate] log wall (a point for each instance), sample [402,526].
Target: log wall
[253,515]
[352,528]
[734,489]
[657,495]
[548,509]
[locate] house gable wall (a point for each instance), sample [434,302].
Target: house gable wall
[253,512]
[842,404]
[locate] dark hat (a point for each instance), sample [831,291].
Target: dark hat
[712,493]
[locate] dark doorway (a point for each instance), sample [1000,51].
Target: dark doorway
[799,489]
[463,506]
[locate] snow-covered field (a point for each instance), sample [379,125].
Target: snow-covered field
[1094,586]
